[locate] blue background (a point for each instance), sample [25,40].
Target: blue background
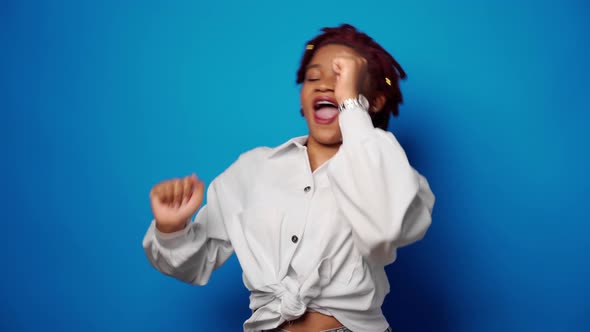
[101,100]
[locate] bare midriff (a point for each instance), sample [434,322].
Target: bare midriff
[311,321]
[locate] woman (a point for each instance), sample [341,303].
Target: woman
[314,221]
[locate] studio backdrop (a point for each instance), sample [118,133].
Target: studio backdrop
[101,100]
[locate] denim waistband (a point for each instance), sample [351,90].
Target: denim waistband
[338,329]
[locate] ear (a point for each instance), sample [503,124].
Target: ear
[378,103]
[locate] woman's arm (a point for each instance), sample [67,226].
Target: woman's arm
[192,253]
[387,203]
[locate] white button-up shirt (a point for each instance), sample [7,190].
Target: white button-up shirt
[306,241]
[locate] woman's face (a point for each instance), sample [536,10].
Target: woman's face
[319,106]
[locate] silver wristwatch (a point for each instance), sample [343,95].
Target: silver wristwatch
[358,102]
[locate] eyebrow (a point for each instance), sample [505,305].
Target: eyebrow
[316,65]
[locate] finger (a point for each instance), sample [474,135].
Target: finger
[187,188]
[336,65]
[155,199]
[158,197]
[194,181]
[158,193]
[154,193]
[177,192]
[197,196]
[166,192]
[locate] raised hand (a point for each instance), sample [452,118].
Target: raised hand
[351,75]
[175,201]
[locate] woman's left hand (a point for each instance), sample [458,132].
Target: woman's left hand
[351,75]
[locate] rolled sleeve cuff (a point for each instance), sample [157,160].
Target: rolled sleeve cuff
[170,240]
[355,124]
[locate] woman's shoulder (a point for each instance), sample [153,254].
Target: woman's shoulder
[259,155]
[250,164]
[246,166]
[255,155]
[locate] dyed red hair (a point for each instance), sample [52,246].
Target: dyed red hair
[382,67]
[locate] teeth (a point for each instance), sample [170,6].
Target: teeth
[325,102]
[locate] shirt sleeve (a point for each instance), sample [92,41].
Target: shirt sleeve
[193,253]
[387,203]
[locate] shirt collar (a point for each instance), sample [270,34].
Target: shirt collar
[285,147]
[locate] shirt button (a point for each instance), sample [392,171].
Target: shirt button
[294,238]
[307,189]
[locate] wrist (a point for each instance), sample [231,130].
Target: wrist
[357,102]
[348,95]
[345,92]
[170,228]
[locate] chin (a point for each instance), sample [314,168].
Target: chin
[327,137]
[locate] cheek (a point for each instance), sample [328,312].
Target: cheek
[304,98]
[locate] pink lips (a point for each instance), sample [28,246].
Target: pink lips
[325,110]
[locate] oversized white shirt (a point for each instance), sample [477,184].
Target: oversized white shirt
[306,241]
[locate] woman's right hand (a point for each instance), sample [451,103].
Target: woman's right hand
[175,201]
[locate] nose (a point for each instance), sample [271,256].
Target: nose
[327,83]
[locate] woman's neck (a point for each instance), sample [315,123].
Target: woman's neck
[318,153]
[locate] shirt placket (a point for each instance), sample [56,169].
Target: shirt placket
[295,230]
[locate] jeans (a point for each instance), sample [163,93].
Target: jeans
[338,329]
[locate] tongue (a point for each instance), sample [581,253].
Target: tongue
[326,113]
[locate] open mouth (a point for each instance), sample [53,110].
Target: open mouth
[325,109]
